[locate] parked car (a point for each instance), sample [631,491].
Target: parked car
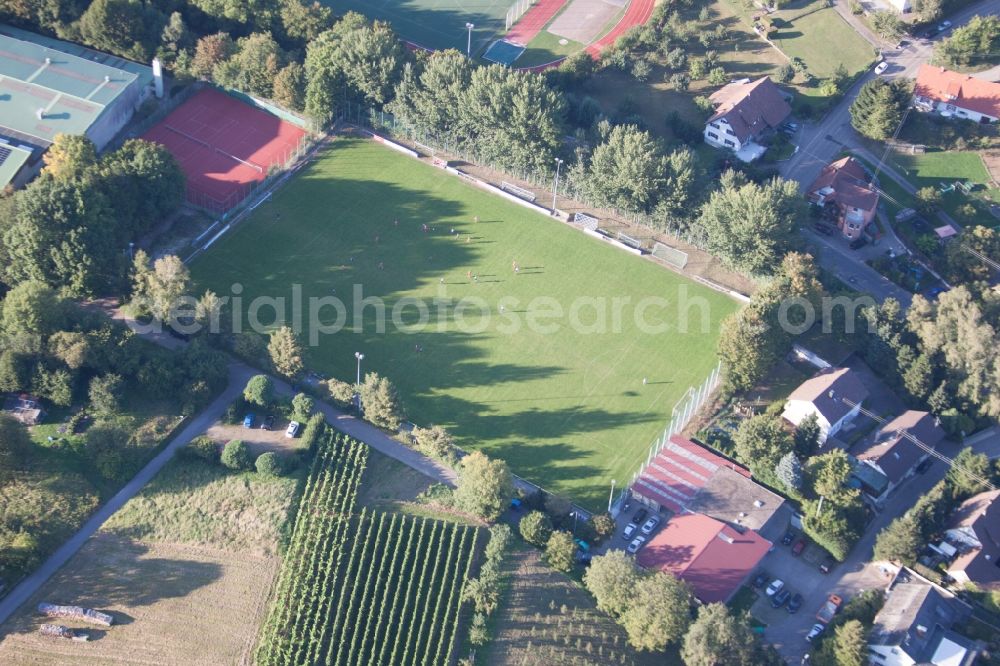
[248,420]
[268,422]
[881,67]
[925,465]
[636,544]
[776,586]
[650,525]
[639,516]
[799,546]
[944,26]
[858,243]
[795,603]
[788,538]
[816,630]
[629,531]
[827,564]
[779,599]
[293,429]
[829,608]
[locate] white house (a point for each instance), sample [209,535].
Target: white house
[915,626]
[744,111]
[832,412]
[956,95]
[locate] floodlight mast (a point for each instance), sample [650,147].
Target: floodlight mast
[923,447]
[555,187]
[468,45]
[359,356]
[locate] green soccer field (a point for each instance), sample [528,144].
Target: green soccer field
[560,398]
[435,24]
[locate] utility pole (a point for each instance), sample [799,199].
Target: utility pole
[555,187]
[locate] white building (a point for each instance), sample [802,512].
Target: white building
[744,112]
[956,95]
[813,396]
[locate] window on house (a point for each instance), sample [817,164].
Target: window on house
[713,135]
[729,131]
[730,143]
[715,125]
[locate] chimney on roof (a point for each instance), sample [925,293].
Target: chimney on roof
[40,114]
[725,537]
[758,503]
[921,630]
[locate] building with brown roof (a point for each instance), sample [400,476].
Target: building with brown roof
[975,530]
[686,477]
[843,187]
[893,455]
[745,111]
[711,556]
[834,396]
[959,95]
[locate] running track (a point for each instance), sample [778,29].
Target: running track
[638,13]
[533,21]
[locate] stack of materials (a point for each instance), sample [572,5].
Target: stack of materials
[60,631]
[76,613]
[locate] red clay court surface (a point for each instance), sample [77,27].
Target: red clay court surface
[209,135]
[638,13]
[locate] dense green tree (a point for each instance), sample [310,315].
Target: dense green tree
[372,57]
[485,487]
[127,27]
[106,393]
[851,644]
[144,184]
[428,99]
[259,390]
[611,578]
[928,200]
[627,169]
[209,52]
[833,527]
[830,473]
[285,352]
[969,473]
[745,348]
[761,441]
[290,86]
[806,436]
[34,308]
[325,81]
[975,42]
[878,109]
[789,471]
[269,464]
[435,442]
[751,226]
[157,289]
[302,406]
[380,402]
[887,24]
[253,67]
[70,156]
[15,445]
[15,371]
[55,384]
[659,613]
[716,637]
[303,20]
[536,528]
[560,551]
[108,447]
[602,525]
[236,455]
[899,541]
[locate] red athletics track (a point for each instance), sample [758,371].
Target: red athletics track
[212,121]
[638,13]
[533,21]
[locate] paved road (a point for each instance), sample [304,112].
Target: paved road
[238,377]
[857,573]
[820,143]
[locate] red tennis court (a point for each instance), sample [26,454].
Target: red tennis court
[224,146]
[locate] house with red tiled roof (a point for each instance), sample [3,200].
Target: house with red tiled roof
[894,455]
[975,530]
[712,557]
[956,95]
[744,112]
[843,187]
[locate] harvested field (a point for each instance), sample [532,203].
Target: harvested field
[172,604]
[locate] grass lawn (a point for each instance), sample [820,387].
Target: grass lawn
[933,168]
[546,48]
[560,398]
[815,32]
[185,568]
[434,24]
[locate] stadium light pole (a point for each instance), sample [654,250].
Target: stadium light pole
[611,497]
[468,45]
[359,356]
[555,187]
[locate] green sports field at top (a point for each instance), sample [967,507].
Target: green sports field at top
[435,24]
[605,343]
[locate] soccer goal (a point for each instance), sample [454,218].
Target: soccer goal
[671,255]
[517,10]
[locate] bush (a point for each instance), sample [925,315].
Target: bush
[603,525]
[302,406]
[311,433]
[269,464]
[340,392]
[259,390]
[785,73]
[536,528]
[236,455]
[201,448]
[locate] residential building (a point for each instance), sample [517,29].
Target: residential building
[686,477]
[893,455]
[901,6]
[917,625]
[835,396]
[956,95]
[711,556]
[745,111]
[50,87]
[843,187]
[975,531]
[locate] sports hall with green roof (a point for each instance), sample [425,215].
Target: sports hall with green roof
[50,87]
